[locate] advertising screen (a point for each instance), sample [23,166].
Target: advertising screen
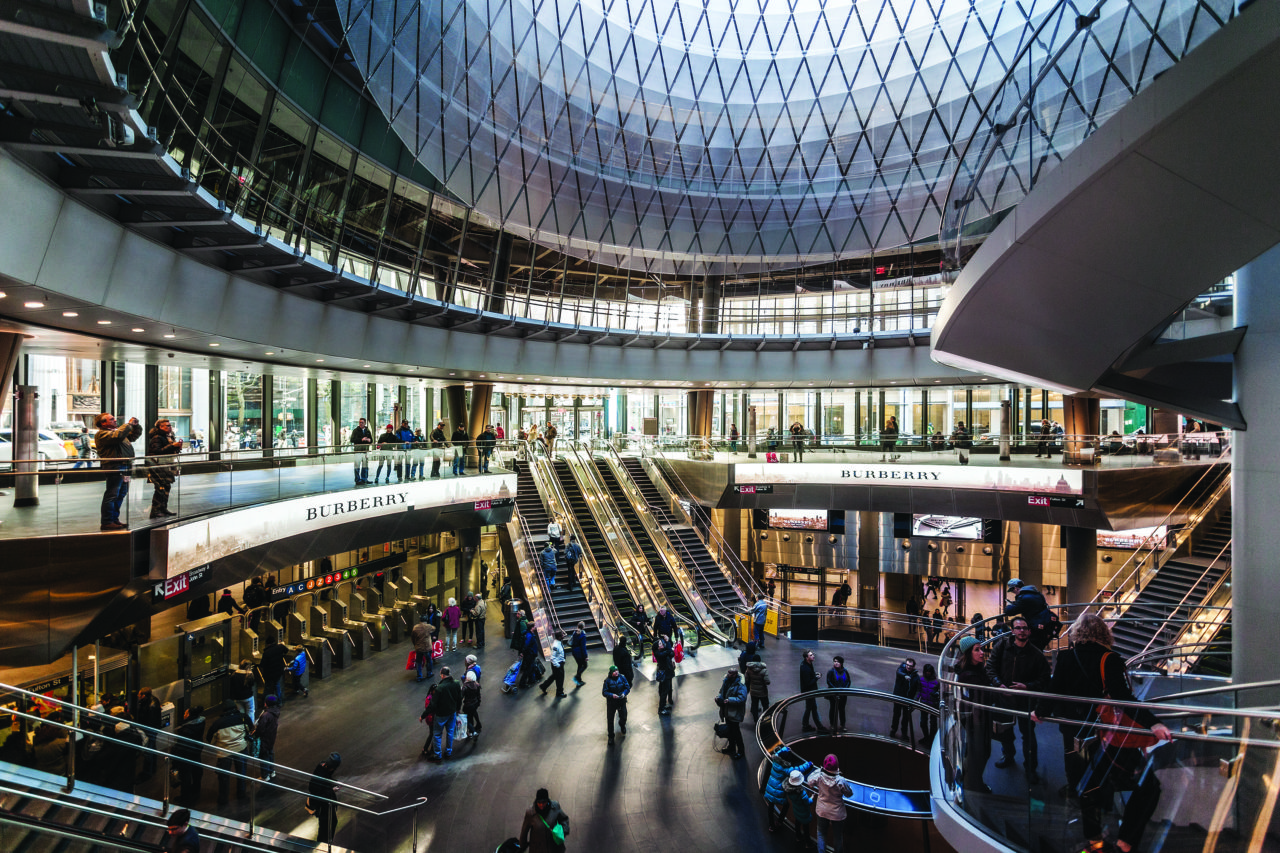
[947,527]
[1139,537]
[798,519]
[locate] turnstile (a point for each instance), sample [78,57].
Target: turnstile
[360,611]
[358,633]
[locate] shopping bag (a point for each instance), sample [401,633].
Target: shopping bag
[678,655]
[460,728]
[412,662]
[771,457]
[437,649]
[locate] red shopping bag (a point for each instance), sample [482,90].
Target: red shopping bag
[771,457]
[412,662]
[679,652]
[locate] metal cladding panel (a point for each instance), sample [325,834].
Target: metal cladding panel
[24,239]
[249,311]
[141,275]
[82,247]
[195,296]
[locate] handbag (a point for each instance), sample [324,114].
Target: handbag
[1118,728]
[722,730]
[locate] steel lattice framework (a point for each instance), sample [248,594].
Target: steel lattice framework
[689,136]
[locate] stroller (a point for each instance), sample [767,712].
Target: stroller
[512,678]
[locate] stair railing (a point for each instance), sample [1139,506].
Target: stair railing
[603,608]
[1148,558]
[1177,608]
[541,607]
[103,729]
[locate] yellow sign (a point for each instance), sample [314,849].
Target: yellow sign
[771,622]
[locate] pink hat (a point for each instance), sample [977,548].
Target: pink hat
[831,764]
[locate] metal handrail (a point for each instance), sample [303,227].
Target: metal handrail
[1113,586]
[1183,601]
[734,570]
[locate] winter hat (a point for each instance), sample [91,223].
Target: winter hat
[831,764]
[967,643]
[542,797]
[471,676]
[471,659]
[272,701]
[796,778]
[612,670]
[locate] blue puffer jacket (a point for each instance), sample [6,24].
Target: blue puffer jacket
[778,772]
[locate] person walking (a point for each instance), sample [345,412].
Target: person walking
[485,444]
[388,453]
[545,826]
[115,448]
[578,648]
[265,730]
[323,798]
[547,559]
[732,701]
[557,666]
[734,435]
[471,703]
[555,533]
[148,713]
[757,681]
[664,674]
[362,444]
[615,690]
[838,677]
[906,684]
[798,436]
[888,438]
[622,660]
[452,619]
[830,806]
[162,465]
[467,633]
[84,449]
[530,651]
[812,720]
[241,688]
[274,662]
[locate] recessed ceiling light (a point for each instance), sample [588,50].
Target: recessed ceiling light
[33,305]
[104,322]
[411,369]
[170,336]
[3,294]
[269,353]
[366,365]
[319,359]
[215,344]
[139,330]
[70,313]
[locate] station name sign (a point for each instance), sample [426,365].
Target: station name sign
[997,477]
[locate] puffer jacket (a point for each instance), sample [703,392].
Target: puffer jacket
[758,678]
[773,792]
[831,793]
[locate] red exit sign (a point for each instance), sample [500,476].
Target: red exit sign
[1038,500]
[484,505]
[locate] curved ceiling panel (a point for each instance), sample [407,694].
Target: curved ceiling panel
[691,136]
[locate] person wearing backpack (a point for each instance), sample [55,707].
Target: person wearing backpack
[545,826]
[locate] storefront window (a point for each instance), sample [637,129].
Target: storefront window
[289,418]
[766,406]
[388,411]
[326,433]
[242,400]
[355,405]
[175,398]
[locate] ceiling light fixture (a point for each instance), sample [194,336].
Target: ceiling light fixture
[215,344]
[70,313]
[170,336]
[269,353]
[33,305]
[104,322]
[139,330]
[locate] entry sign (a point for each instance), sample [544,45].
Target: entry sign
[177,585]
[1055,500]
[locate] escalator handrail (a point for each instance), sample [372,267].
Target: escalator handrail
[540,576]
[677,569]
[548,486]
[740,576]
[1183,602]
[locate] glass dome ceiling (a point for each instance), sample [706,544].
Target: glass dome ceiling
[689,136]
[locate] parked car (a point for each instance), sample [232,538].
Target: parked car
[50,447]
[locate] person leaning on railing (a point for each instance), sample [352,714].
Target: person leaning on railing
[1091,670]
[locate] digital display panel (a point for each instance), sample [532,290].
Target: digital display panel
[1155,538]
[798,519]
[947,527]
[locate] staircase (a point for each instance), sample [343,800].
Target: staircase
[715,588]
[595,543]
[570,606]
[1181,579]
[656,564]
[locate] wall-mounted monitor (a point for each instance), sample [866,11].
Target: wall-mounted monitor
[933,526]
[824,520]
[1155,538]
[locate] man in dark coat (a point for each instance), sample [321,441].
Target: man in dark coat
[1016,664]
[444,708]
[906,683]
[189,745]
[323,796]
[114,444]
[362,442]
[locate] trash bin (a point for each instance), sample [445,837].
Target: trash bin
[804,623]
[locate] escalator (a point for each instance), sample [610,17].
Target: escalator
[570,606]
[648,549]
[713,585]
[595,543]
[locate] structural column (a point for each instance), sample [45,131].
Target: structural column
[311,424]
[868,560]
[217,413]
[1082,417]
[499,273]
[150,398]
[711,286]
[1255,474]
[701,407]
[268,418]
[481,398]
[1081,544]
[10,347]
